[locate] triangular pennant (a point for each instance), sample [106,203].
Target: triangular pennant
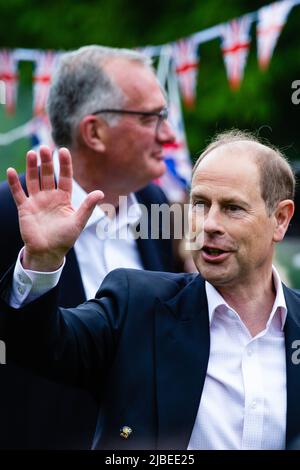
[45,66]
[9,76]
[185,53]
[271,20]
[235,47]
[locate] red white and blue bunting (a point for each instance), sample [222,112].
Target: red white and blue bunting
[45,65]
[235,43]
[177,72]
[9,76]
[271,20]
[235,47]
[186,58]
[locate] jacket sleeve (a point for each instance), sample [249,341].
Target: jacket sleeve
[74,346]
[10,238]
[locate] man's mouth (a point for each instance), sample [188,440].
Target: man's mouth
[158,155]
[214,254]
[213,251]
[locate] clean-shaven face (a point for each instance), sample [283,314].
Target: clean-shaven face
[134,148]
[237,230]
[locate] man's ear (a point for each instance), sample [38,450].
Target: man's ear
[92,132]
[283,214]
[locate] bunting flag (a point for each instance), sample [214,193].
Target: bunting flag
[271,20]
[45,65]
[9,76]
[178,69]
[235,47]
[175,181]
[185,53]
[235,43]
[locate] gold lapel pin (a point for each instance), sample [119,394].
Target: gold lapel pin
[125,432]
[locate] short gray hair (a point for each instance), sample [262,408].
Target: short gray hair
[277,179]
[81,85]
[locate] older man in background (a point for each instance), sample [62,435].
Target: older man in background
[108,108]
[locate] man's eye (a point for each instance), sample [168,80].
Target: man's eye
[149,120]
[198,203]
[234,208]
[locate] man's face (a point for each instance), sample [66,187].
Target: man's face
[238,232]
[133,146]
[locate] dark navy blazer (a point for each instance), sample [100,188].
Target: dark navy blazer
[36,413]
[141,348]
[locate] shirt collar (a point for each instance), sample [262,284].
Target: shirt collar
[215,300]
[129,211]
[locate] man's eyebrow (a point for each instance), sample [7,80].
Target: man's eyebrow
[158,109]
[236,201]
[226,200]
[196,192]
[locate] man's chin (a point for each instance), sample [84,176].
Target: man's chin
[216,275]
[160,169]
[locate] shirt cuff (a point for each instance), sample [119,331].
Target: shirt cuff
[28,285]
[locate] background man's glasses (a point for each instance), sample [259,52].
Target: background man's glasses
[160,115]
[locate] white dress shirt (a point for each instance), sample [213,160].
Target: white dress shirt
[106,244]
[98,250]
[243,404]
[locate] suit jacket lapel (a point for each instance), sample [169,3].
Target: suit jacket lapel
[182,351]
[292,333]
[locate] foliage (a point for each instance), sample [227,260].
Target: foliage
[263,103]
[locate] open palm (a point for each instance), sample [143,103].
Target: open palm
[49,225]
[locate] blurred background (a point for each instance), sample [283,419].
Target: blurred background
[262,102]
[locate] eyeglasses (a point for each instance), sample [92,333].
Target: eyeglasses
[161,115]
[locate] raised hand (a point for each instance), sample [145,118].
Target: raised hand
[49,225]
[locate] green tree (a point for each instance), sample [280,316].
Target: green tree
[263,102]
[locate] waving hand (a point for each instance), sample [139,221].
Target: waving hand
[48,223]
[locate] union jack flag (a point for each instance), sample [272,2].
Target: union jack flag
[45,65]
[9,76]
[235,47]
[175,181]
[186,62]
[271,20]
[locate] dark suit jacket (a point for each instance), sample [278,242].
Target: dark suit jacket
[37,413]
[142,348]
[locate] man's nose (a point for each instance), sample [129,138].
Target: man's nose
[213,221]
[165,133]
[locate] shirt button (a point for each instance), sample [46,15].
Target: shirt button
[249,352]
[253,405]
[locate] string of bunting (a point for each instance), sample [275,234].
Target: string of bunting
[178,66]
[235,44]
